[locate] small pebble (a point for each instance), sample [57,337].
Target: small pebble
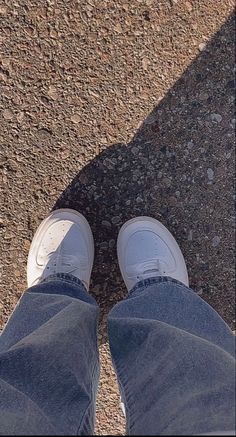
[202,46]
[20,116]
[134,150]
[210,174]
[190,144]
[3,10]
[8,114]
[12,165]
[172,201]
[203,96]
[215,241]
[3,77]
[190,235]
[82,177]
[52,92]
[26,244]
[216,118]
[75,118]
[115,220]
[104,245]
[106,224]
[189,6]
[167,182]
[111,243]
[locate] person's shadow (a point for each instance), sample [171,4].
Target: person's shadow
[178,169]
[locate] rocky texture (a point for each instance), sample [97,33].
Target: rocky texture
[119,109]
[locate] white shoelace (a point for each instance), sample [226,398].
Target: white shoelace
[65,263]
[58,263]
[153,267]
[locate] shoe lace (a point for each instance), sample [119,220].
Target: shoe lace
[58,262]
[66,263]
[152,266]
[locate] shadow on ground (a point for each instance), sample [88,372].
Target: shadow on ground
[179,169]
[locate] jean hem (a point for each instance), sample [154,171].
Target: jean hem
[65,277]
[144,283]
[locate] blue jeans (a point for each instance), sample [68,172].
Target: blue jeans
[173,354]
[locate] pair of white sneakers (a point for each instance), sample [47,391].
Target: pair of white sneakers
[63,243]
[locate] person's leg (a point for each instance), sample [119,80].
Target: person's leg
[173,354]
[49,364]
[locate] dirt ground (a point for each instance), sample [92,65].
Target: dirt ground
[119,109]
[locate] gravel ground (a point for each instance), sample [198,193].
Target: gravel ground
[119,109]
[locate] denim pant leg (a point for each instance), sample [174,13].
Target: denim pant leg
[174,357]
[49,365]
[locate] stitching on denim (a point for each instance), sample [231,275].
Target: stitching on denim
[84,417]
[154,280]
[67,281]
[127,394]
[143,285]
[61,277]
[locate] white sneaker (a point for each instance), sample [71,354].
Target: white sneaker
[146,249]
[63,243]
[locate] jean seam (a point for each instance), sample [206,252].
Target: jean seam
[32,400]
[62,277]
[151,280]
[96,366]
[96,336]
[127,394]
[142,288]
[156,279]
[181,287]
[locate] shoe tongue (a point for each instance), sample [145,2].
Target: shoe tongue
[63,262]
[70,263]
[152,267]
